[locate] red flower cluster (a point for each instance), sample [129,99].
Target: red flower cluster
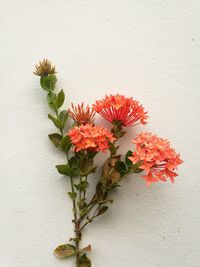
[157,158]
[81,114]
[89,137]
[118,108]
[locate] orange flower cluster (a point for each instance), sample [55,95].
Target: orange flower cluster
[118,108]
[81,114]
[157,158]
[89,137]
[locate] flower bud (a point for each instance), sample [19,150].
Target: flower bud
[44,68]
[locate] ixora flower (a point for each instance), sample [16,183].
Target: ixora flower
[120,109]
[44,68]
[89,137]
[157,158]
[81,114]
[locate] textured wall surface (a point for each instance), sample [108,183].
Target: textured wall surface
[146,49]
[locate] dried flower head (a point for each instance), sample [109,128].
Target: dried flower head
[118,108]
[91,138]
[44,68]
[157,158]
[82,115]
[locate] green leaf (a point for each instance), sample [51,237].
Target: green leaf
[56,122]
[99,191]
[72,195]
[113,149]
[87,172]
[48,82]
[138,170]
[84,211]
[63,169]
[64,115]
[74,163]
[117,129]
[66,143]
[51,99]
[82,186]
[136,167]
[65,251]
[55,138]
[91,154]
[59,99]
[86,166]
[102,210]
[86,162]
[120,167]
[74,166]
[127,160]
[84,261]
[80,154]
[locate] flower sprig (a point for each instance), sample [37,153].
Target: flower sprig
[83,140]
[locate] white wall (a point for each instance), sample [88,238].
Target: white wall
[145,49]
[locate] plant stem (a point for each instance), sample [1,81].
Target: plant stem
[89,220]
[80,195]
[57,116]
[76,221]
[77,242]
[84,192]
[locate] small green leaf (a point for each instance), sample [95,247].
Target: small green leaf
[66,143]
[127,160]
[120,167]
[138,170]
[65,251]
[63,169]
[56,122]
[82,186]
[64,115]
[51,99]
[136,167]
[89,171]
[72,195]
[84,261]
[91,154]
[80,154]
[102,210]
[113,149]
[74,163]
[74,166]
[59,99]
[86,163]
[84,211]
[117,129]
[55,138]
[99,191]
[48,82]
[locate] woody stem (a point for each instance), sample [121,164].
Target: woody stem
[75,220]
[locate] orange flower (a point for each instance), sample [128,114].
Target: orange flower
[118,108]
[157,158]
[82,115]
[89,137]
